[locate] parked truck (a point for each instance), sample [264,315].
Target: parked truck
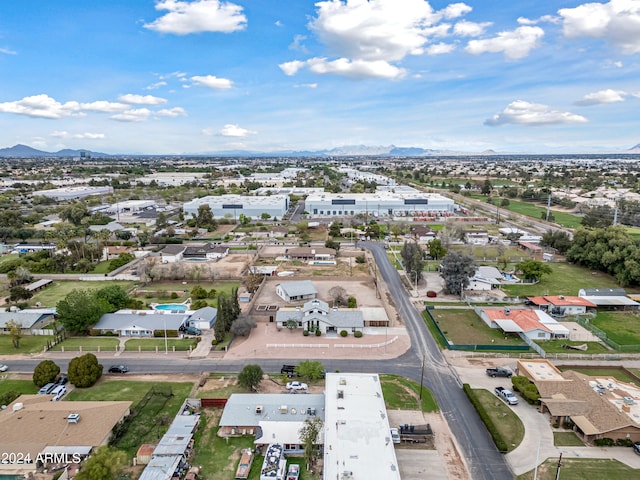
[507,395]
[499,372]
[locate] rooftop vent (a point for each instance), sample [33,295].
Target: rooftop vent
[73,418]
[283,409]
[258,409]
[340,393]
[507,311]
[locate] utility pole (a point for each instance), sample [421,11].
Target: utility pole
[422,379]
[615,213]
[559,465]
[548,207]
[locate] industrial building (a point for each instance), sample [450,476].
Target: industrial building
[379,204]
[232,206]
[73,193]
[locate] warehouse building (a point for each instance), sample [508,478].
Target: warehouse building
[232,206]
[379,204]
[73,193]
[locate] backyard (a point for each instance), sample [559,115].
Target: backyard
[49,296]
[621,327]
[161,292]
[28,344]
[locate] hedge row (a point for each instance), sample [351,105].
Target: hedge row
[527,388]
[484,416]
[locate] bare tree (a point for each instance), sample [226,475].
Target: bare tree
[337,294]
[242,325]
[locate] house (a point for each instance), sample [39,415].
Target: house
[423,234]
[296,291]
[305,254]
[317,315]
[172,253]
[263,270]
[203,318]
[533,324]
[485,278]
[139,323]
[111,227]
[32,321]
[476,237]
[209,251]
[113,251]
[609,298]
[596,407]
[561,306]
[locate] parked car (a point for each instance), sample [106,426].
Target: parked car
[46,389]
[58,392]
[293,473]
[499,372]
[118,369]
[507,395]
[297,386]
[3,367]
[193,331]
[289,370]
[636,448]
[395,435]
[62,379]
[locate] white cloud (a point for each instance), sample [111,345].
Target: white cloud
[42,106]
[345,67]
[618,64]
[532,114]
[8,51]
[197,16]
[455,10]
[133,115]
[231,130]
[307,85]
[84,136]
[141,99]
[297,43]
[602,97]
[470,29]
[172,112]
[440,48]
[515,44]
[278,23]
[156,85]
[291,68]
[542,19]
[617,22]
[211,81]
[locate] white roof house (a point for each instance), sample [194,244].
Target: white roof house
[316,314]
[357,440]
[485,278]
[296,291]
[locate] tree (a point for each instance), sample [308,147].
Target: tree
[310,370]
[265,216]
[15,332]
[308,435]
[106,463]
[250,377]
[533,269]
[334,229]
[84,371]
[331,243]
[18,293]
[45,372]
[456,270]
[291,324]
[74,213]
[436,249]
[81,309]
[337,294]
[242,325]
[412,258]
[598,217]
[114,295]
[486,187]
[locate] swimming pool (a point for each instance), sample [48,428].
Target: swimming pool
[171,307]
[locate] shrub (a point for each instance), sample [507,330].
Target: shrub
[174,295]
[318,333]
[343,333]
[84,371]
[528,390]
[214,342]
[45,372]
[486,419]
[170,333]
[357,334]
[352,302]
[305,333]
[603,442]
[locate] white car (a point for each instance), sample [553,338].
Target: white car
[296,386]
[3,367]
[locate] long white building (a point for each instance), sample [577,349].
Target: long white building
[379,204]
[73,193]
[232,206]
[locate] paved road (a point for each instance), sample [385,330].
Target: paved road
[483,459]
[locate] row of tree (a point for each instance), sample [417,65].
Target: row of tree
[80,309]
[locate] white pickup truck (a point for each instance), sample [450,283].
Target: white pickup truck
[506,395]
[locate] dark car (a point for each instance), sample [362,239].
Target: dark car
[62,379]
[193,331]
[636,448]
[118,369]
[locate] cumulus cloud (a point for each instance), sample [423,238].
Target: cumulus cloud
[211,81]
[198,16]
[42,106]
[455,10]
[514,45]
[542,19]
[470,29]
[440,48]
[7,51]
[617,22]
[291,68]
[104,106]
[156,85]
[83,136]
[172,112]
[231,130]
[133,99]
[603,96]
[532,114]
[297,43]
[133,115]
[345,67]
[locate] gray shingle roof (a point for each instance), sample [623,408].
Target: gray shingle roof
[146,320]
[26,319]
[300,288]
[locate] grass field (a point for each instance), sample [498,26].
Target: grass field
[150,344]
[505,421]
[50,296]
[6,258]
[87,344]
[464,327]
[20,386]
[400,393]
[555,346]
[606,372]
[565,279]
[535,211]
[621,327]
[567,439]
[581,468]
[28,344]
[102,267]
[160,292]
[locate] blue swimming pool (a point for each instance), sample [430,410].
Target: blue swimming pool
[171,307]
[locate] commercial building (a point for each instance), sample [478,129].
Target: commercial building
[232,206]
[379,204]
[73,193]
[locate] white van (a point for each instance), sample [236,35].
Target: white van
[58,392]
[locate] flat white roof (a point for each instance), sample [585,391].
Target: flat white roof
[356,429]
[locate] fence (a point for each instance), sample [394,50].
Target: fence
[533,345]
[297,345]
[605,338]
[362,345]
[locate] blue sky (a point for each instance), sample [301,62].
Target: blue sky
[196,76]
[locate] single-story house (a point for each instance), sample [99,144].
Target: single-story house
[316,314]
[113,251]
[172,253]
[203,318]
[560,306]
[485,278]
[32,321]
[210,251]
[476,237]
[609,298]
[139,323]
[296,291]
[310,253]
[596,407]
[534,324]
[111,227]
[271,418]
[423,234]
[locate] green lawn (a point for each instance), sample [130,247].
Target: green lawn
[621,327]
[555,346]
[535,211]
[20,386]
[28,344]
[150,344]
[87,344]
[616,373]
[50,296]
[567,439]
[464,327]
[505,421]
[565,279]
[159,292]
[402,394]
[581,468]
[102,267]
[6,258]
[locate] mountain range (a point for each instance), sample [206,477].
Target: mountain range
[24,151]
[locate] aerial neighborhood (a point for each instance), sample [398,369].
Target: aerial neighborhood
[335,318]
